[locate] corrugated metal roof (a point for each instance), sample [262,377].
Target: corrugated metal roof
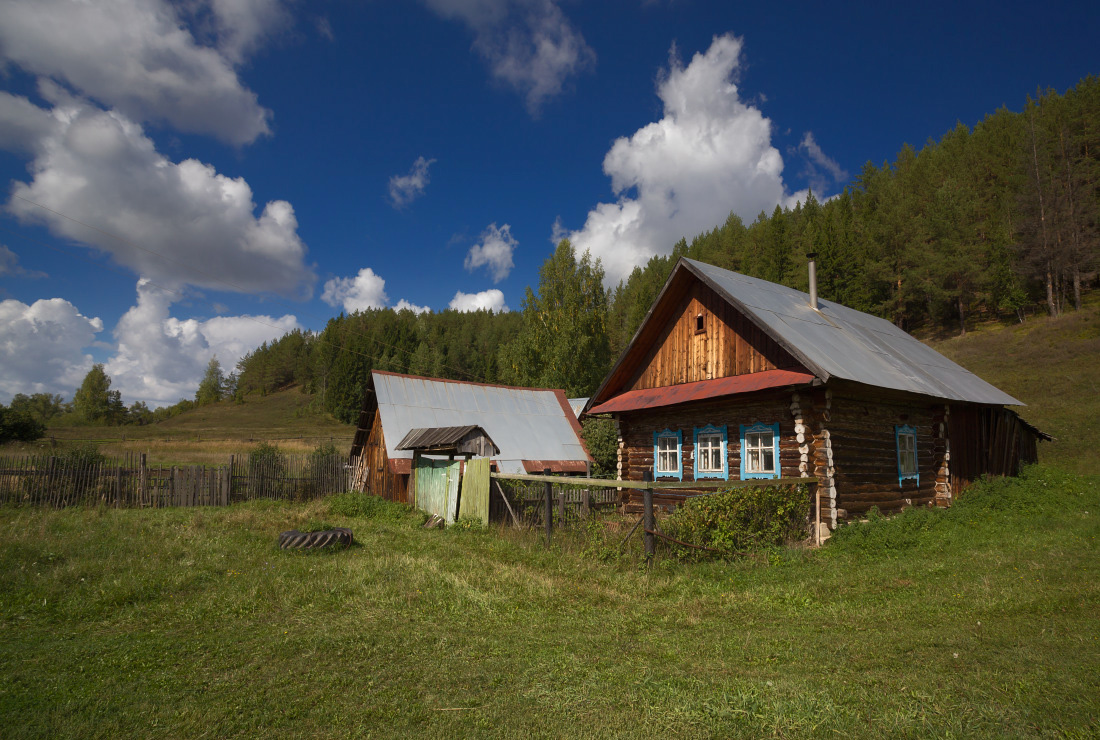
[526,423]
[577,404]
[645,398]
[839,342]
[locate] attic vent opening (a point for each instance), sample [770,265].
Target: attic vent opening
[700,327]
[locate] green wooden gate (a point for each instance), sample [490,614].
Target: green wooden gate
[475,490]
[437,487]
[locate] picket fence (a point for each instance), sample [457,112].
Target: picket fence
[128,482]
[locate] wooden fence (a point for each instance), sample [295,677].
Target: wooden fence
[570,504]
[48,480]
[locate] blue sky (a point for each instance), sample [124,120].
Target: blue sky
[187,180]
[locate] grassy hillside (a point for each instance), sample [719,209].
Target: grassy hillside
[1051,365]
[287,418]
[976,621]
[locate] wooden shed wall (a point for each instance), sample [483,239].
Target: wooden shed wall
[728,345]
[373,472]
[987,440]
[861,424]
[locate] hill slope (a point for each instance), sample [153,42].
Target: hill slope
[1051,365]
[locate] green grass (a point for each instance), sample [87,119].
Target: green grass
[1051,365]
[977,621]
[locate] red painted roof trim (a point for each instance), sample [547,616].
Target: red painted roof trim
[701,390]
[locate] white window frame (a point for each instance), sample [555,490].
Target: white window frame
[674,442]
[711,433]
[756,432]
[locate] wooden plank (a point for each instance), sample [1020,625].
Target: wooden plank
[475,490]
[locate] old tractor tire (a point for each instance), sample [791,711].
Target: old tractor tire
[295,540]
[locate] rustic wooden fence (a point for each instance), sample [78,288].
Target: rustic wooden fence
[570,503]
[128,482]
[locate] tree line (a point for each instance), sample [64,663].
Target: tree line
[999,221]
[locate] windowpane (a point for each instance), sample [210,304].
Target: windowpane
[760,452]
[710,453]
[907,454]
[667,451]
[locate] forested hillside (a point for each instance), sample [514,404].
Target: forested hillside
[996,222]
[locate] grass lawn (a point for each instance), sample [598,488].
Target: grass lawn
[980,620]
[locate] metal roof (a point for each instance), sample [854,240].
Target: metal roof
[526,423]
[578,404]
[668,395]
[839,342]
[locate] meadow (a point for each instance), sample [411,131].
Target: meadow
[975,621]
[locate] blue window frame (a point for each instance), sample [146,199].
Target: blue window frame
[667,460]
[905,437]
[760,451]
[711,448]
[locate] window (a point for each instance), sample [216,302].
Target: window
[760,451]
[906,437]
[666,455]
[700,325]
[710,452]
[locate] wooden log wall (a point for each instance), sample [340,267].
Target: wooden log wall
[729,344]
[636,432]
[372,469]
[864,450]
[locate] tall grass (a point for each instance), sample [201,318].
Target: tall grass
[977,621]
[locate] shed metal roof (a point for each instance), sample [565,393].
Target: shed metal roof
[526,423]
[839,342]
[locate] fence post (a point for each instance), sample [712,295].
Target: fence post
[549,513]
[647,515]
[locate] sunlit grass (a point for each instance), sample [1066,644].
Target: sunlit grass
[974,621]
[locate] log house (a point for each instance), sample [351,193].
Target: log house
[732,377]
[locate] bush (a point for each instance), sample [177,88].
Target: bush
[738,520]
[19,426]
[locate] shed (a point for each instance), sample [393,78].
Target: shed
[530,429]
[732,377]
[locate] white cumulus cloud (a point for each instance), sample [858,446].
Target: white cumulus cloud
[403,305]
[42,347]
[491,300]
[161,359]
[494,252]
[529,44]
[404,189]
[365,290]
[141,57]
[710,155]
[172,222]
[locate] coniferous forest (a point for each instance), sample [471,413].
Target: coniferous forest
[1001,221]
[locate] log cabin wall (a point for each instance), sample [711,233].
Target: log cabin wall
[861,424]
[636,430]
[373,473]
[707,338]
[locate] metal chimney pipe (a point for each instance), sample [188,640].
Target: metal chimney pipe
[813,280]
